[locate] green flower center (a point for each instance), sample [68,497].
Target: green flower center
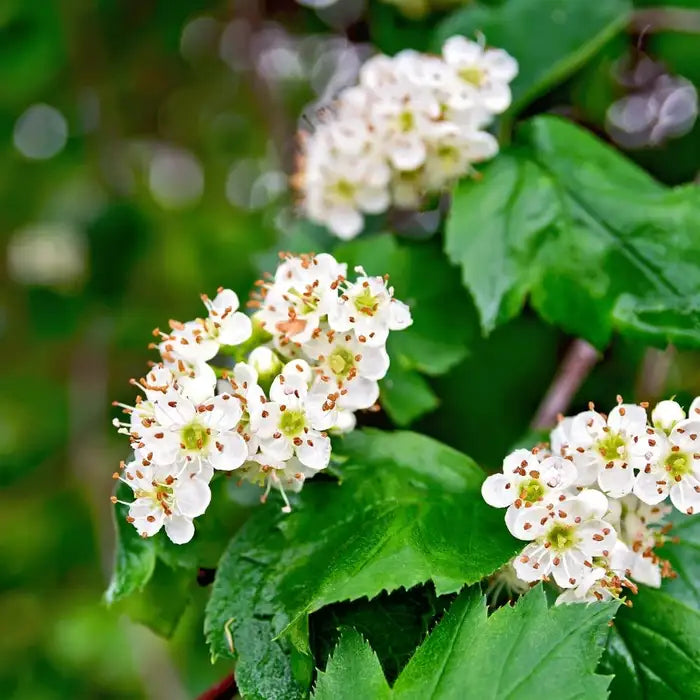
[345,190]
[406,121]
[365,302]
[610,446]
[194,437]
[292,423]
[532,491]
[678,464]
[341,361]
[449,154]
[473,75]
[307,302]
[561,537]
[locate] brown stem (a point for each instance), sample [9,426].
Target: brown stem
[665,19]
[223,690]
[653,375]
[577,363]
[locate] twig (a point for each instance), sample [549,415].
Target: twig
[653,374]
[577,363]
[665,19]
[223,690]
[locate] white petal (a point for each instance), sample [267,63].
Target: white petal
[192,496]
[362,393]
[498,491]
[628,418]
[684,495]
[174,409]
[532,563]
[228,451]
[235,329]
[595,502]
[179,529]
[597,537]
[317,454]
[278,449]
[616,481]
[374,363]
[345,222]
[530,523]
[647,490]
[399,316]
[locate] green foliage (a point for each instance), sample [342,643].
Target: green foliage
[526,651]
[563,218]
[684,556]
[654,649]
[444,322]
[407,510]
[549,38]
[661,320]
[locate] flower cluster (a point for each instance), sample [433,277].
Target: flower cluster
[413,124]
[591,502]
[310,357]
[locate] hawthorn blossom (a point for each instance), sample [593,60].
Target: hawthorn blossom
[666,415]
[672,467]
[282,475]
[294,421]
[304,290]
[165,495]
[368,307]
[603,449]
[566,538]
[348,367]
[203,433]
[487,72]
[199,340]
[528,479]
[412,125]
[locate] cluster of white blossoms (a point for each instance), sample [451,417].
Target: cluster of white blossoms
[413,125]
[592,502]
[320,354]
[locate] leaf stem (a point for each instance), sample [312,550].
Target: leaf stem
[575,367]
[223,690]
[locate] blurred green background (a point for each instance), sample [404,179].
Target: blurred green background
[145,147]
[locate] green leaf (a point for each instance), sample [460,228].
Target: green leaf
[654,649]
[444,323]
[353,671]
[567,220]
[134,559]
[525,651]
[405,395]
[660,321]
[528,651]
[408,510]
[393,624]
[560,36]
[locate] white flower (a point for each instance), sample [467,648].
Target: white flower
[666,414]
[182,429]
[486,71]
[165,495]
[304,290]
[348,367]
[603,449]
[291,423]
[566,537]
[603,581]
[284,476]
[671,467]
[528,479]
[369,308]
[199,340]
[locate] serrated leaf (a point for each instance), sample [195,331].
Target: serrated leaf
[570,222]
[353,671]
[561,36]
[654,649]
[408,510]
[134,557]
[527,651]
[660,321]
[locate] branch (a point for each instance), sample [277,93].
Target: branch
[223,690]
[575,367]
[665,19]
